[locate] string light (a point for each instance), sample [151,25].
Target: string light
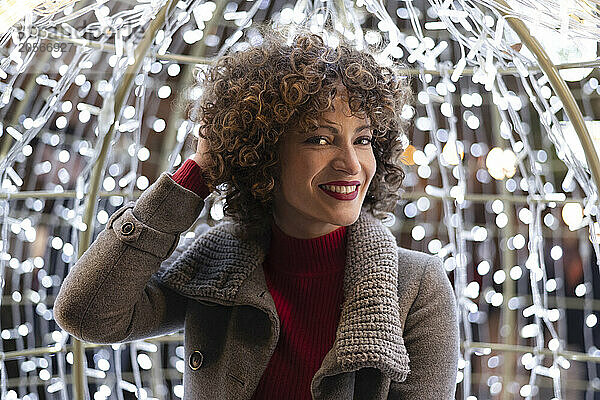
[446,158]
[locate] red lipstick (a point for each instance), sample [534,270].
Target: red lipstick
[341,196]
[342,183]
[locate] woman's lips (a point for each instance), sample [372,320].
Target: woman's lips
[341,196]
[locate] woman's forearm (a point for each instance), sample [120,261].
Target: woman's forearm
[110,294]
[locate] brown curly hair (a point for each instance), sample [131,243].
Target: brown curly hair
[252,97]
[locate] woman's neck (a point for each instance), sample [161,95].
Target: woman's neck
[304,230]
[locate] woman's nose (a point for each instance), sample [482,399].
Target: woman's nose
[347,160]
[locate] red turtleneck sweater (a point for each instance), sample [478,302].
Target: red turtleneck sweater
[305,278]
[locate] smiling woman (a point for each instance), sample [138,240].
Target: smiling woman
[301,293]
[256,102]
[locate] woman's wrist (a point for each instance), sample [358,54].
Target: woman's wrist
[196,158]
[189,175]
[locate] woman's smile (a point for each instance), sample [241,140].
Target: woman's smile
[344,193]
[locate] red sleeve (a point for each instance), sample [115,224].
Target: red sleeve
[189,175]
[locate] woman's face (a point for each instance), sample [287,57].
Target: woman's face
[340,150]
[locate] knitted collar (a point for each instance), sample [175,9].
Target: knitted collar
[221,268]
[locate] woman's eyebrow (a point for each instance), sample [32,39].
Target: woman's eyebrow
[336,131]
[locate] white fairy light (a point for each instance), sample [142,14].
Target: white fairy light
[572,214]
[164,92]
[418,232]
[480,42]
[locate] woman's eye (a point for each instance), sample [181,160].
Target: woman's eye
[315,139]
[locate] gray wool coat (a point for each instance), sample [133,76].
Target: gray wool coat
[397,336]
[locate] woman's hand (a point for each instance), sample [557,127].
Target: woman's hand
[201,155]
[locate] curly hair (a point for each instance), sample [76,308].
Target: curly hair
[252,97]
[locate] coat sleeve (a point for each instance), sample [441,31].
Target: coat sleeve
[431,337]
[111,294]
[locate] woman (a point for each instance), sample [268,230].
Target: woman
[301,292]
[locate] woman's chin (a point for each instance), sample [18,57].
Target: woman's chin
[344,219]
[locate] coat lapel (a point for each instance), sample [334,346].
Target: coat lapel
[221,268]
[369,333]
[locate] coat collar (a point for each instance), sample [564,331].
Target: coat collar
[220,267]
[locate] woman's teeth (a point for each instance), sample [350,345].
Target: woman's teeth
[340,189]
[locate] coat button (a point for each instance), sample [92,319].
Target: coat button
[196,360]
[127,228]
